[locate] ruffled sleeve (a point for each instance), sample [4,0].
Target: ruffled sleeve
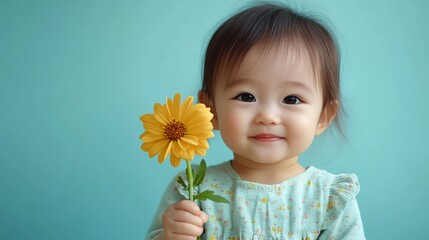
[342,219]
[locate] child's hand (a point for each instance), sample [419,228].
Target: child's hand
[183,220]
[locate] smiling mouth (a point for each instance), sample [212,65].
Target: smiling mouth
[267,138]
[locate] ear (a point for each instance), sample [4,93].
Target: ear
[327,116]
[204,98]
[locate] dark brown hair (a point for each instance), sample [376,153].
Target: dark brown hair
[268,24]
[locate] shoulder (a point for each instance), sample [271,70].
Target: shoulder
[338,196]
[220,175]
[345,186]
[223,169]
[340,185]
[341,215]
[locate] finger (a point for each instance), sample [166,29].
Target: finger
[173,236]
[188,206]
[187,217]
[204,217]
[183,228]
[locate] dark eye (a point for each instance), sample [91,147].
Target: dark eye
[245,97]
[292,100]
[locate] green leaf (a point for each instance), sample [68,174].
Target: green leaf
[203,195]
[218,199]
[201,173]
[181,182]
[209,195]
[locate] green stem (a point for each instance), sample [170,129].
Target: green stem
[190,177]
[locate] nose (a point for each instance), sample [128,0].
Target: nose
[267,116]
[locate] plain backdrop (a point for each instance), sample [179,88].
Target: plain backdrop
[75,76]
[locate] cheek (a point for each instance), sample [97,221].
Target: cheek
[303,124]
[302,128]
[229,119]
[231,125]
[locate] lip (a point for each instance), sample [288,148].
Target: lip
[266,137]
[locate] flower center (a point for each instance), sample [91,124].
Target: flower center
[175,130]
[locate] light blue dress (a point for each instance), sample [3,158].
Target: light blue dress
[312,205]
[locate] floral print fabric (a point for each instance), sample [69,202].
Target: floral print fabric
[312,205]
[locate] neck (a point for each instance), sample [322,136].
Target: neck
[267,173]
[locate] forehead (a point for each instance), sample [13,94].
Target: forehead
[281,61]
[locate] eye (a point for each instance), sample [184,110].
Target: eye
[291,100]
[245,97]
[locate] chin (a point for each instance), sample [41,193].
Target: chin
[267,159]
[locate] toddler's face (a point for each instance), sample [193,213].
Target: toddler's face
[269,112]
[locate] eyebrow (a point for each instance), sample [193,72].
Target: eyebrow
[301,85]
[232,83]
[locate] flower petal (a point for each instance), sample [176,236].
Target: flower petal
[190,139]
[176,105]
[174,160]
[156,130]
[190,130]
[171,108]
[190,113]
[147,146]
[176,149]
[202,135]
[143,134]
[161,114]
[200,151]
[188,154]
[203,143]
[184,108]
[183,145]
[147,118]
[151,137]
[158,147]
[154,127]
[164,153]
[199,117]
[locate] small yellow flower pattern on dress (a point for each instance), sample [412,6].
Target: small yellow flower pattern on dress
[264,200]
[284,208]
[277,230]
[279,191]
[331,204]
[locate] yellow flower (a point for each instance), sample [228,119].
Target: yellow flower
[181,130]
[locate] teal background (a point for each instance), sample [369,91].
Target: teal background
[76,75]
